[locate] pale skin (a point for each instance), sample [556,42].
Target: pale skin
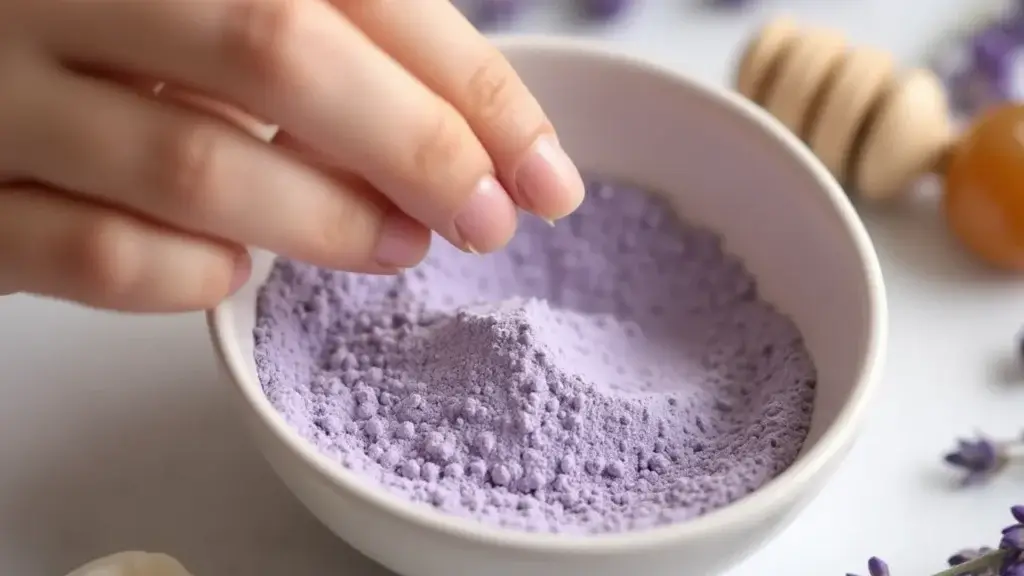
[131,179]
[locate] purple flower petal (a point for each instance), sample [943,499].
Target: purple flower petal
[990,48]
[986,68]
[1013,538]
[1012,566]
[979,458]
[491,13]
[876,567]
[1018,513]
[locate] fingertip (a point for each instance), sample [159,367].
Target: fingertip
[205,273]
[402,242]
[241,272]
[487,220]
[546,182]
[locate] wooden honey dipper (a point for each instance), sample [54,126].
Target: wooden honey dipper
[878,129]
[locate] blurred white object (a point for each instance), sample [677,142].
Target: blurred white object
[132,564]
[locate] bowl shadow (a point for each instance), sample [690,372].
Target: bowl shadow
[911,231]
[1006,374]
[180,479]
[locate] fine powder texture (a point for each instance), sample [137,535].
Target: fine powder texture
[614,372]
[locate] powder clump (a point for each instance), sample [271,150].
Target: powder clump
[613,373]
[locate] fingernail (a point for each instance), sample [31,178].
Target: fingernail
[488,218]
[241,273]
[547,181]
[400,244]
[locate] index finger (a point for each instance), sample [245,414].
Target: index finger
[436,43]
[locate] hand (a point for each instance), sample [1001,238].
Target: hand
[395,118]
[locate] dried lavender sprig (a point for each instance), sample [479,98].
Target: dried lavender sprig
[1006,560]
[1012,543]
[981,69]
[990,562]
[965,556]
[981,457]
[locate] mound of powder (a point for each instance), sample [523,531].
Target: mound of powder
[614,372]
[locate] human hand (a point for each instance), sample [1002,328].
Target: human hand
[395,118]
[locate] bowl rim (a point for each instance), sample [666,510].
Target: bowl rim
[768,500]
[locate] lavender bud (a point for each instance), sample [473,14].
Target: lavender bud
[1018,513]
[604,10]
[1013,538]
[876,567]
[491,13]
[980,458]
[988,68]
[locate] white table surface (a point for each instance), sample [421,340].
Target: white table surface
[113,433]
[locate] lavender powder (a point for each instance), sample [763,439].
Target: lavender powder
[615,372]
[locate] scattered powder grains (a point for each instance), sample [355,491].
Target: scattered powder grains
[614,372]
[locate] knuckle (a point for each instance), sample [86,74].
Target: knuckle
[492,91]
[189,165]
[212,282]
[346,232]
[328,234]
[102,259]
[21,111]
[438,149]
[258,34]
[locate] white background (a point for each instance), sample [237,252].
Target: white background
[113,433]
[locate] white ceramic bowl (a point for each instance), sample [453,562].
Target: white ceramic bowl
[724,163]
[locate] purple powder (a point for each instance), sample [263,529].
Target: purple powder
[614,372]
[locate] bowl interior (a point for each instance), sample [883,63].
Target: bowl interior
[723,164]
[751,181]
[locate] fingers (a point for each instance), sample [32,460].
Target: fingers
[436,43]
[53,245]
[204,175]
[218,109]
[305,67]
